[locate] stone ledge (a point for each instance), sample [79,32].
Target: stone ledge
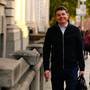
[11,71]
[28,78]
[30,56]
[37,46]
[3,2]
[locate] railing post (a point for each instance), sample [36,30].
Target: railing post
[35,85]
[41,78]
[36,82]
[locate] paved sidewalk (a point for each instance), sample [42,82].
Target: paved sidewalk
[87,72]
[47,85]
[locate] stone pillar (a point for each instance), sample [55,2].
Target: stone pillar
[44,15]
[2,28]
[28,9]
[32,22]
[17,38]
[13,32]
[20,14]
[47,5]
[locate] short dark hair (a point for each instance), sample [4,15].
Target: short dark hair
[61,8]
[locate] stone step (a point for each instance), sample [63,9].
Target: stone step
[11,71]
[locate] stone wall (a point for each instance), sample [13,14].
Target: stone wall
[17,74]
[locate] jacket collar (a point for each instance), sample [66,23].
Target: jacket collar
[67,28]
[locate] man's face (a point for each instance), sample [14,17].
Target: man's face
[62,17]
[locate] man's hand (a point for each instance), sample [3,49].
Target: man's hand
[47,75]
[81,73]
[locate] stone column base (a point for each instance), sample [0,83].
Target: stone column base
[13,39]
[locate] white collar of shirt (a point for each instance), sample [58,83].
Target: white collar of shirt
[63,28]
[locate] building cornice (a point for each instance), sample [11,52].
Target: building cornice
[3,2]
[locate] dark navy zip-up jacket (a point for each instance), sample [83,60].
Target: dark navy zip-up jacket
[65,50]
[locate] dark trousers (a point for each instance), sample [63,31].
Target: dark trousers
[67,75]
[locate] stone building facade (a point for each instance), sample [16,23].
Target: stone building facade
[16,16]
[37,15]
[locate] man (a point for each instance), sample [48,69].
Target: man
[63,45]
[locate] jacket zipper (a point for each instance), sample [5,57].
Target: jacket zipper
[63,49]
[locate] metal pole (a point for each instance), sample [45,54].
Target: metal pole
[78,4]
